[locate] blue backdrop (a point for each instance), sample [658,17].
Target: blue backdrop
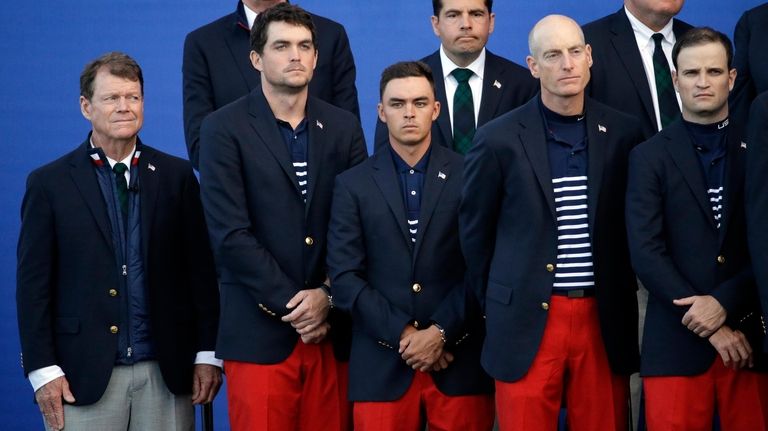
[44,46]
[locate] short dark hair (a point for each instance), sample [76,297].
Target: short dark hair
[405,69]
[118,64]
[702,36]
[437,6]
[281,12]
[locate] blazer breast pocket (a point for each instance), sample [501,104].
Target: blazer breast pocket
[67,325]
[499,292]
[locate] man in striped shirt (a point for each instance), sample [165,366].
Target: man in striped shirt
[542,230]
[688,242]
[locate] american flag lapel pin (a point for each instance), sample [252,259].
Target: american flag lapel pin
[601,128]
[319,124]
[441,175]
[151,167]
[496,84]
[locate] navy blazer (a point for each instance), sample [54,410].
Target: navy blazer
[67,266]
[384,282]
[267,242]
[217,70]
[749,38]
[618,74]
[756,198]
[509,234]
[678,251]
[506,85]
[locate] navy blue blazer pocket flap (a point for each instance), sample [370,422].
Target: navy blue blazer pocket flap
[499,292]
[67,325]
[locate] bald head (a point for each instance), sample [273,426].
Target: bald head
[549,26]
[560,60]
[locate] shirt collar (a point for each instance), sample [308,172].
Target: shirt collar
[126,161]
[477,66]
[249,15]
[402,166]
[644,34]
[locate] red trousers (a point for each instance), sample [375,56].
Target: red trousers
[305,392]
[688,402]
[443,412]
[571,358]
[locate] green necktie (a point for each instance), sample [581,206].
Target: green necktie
[463,112]
[668,107]
[122,188]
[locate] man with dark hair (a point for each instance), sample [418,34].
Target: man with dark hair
[542,230]
[687,237]
[472,84]
[267,164]
[116,288]
[397,268]
[632,71]
[217,70]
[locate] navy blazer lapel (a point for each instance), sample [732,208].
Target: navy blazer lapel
[493,82]
[597,149]
[533,137]
[315,149]
[681,149]
[438,172]
[444,118]
[84,177]
[147,181]
[239,43]
[625,45]
[264,124]
[386,179]
[733,180]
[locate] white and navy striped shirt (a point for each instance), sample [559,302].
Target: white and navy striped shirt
[567,152]
[574,246]
[710,143]
[297,142]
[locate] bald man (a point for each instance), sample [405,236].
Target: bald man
[542,229]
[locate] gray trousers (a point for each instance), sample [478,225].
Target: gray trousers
[136,399]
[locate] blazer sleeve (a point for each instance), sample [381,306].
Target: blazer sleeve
[200,266]
[197,93]
[344,75]
[240,256]
[479,211]
[645,231]
[347,266]
[744,90]
[35,277]
[756,198]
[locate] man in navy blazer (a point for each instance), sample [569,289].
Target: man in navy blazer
[688,242]
[498,85]
[216,68]
[623,74]
[755,196]
[267,166]
[397,268]
[116,291]
[542,230]
[749,38]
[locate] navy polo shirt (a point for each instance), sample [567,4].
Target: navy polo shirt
[567,151]
[297,141]
[710,143]
[411,180]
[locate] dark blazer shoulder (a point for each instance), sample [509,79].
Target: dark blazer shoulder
[211,30]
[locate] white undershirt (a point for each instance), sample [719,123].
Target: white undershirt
[475,82]
[646,46]
[249,15]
